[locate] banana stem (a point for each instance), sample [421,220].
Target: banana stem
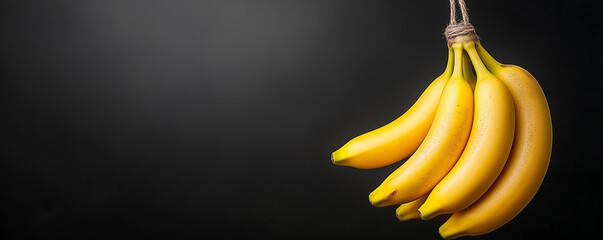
[450,63]
[491,63]
[467,69]
[458,60]
[479,66]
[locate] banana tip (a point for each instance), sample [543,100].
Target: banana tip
[406,217]
[380,200]
[420,215]
[448,232]
[337,160]
[427,215]
[439,232]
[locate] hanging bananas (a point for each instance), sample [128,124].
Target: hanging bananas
[440,149]
[479,147]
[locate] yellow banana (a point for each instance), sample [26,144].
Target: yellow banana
[527,163]
[408,211]
[441,147]
[487,149]
[398,139]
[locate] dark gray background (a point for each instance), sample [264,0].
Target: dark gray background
[189,119]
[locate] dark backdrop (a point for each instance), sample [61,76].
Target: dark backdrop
[189,119]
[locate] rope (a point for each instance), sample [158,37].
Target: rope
[455,29]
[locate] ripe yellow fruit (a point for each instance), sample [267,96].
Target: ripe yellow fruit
[441,147]
[527,164]
[487,149]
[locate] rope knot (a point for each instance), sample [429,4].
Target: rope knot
[459,29]
[464,28]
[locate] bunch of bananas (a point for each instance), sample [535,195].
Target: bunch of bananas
[479,146]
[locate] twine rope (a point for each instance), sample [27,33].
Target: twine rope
[454,28]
